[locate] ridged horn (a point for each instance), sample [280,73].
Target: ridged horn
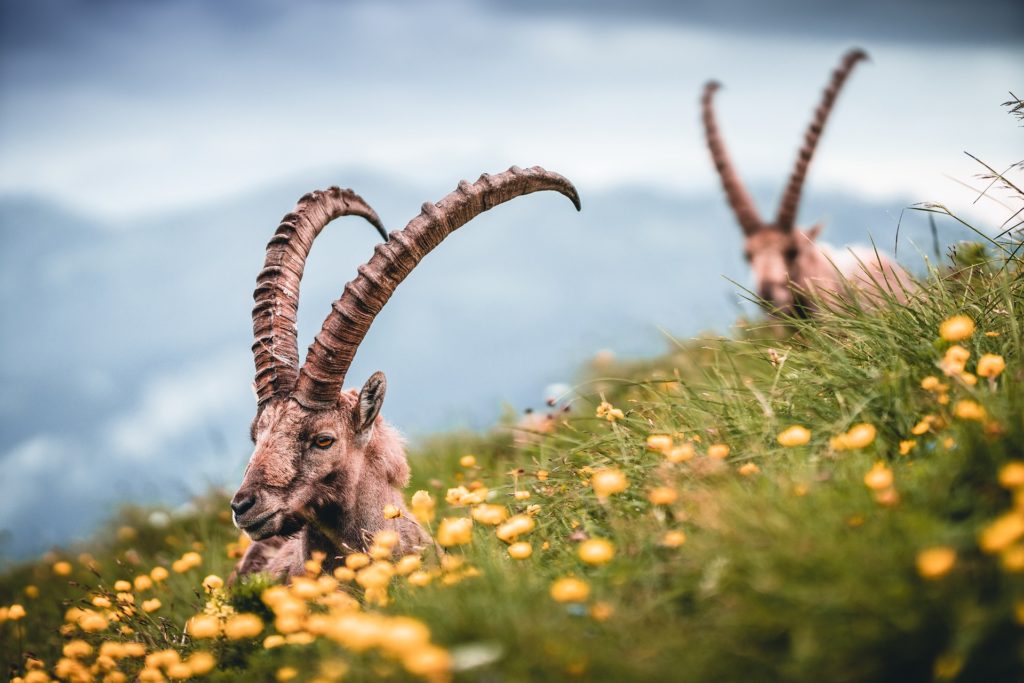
[739,199]
[275,347]
[786,218]
[327,362]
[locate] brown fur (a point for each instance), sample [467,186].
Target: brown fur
[794,273]
[321,500]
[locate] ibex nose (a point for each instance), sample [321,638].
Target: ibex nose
[242,502]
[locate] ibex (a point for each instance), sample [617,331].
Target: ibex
[325,463]
[787,262]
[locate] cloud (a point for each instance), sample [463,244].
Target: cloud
[179,404]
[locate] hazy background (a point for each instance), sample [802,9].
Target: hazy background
[147,151]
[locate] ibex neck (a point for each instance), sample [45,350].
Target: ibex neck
[347,524]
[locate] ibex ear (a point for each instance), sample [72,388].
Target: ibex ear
[371,398]
[815,231]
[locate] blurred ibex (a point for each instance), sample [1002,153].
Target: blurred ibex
[787,262]
[325,464]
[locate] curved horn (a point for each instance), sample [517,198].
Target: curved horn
[786,217]
[740,201]
[275,348]
[331,353]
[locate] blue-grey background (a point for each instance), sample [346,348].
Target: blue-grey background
[147,151]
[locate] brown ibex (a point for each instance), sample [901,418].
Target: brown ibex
[325,464]
[788,263]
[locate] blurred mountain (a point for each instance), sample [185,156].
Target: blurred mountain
[126,369]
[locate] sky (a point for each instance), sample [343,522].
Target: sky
[123,108]
[148,149]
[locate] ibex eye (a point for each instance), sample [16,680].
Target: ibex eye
[323,441]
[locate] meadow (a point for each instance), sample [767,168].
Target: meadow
[839,499]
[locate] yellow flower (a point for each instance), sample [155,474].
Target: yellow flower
[596,551]
[468,461]
[204,626]
[662,495]
[455,531]
[608,481]
[969,410]
[955,360]
[419,578]
[151,605]
[749,469]
[92,622]
[15,612]
[662,443]
[377,575]
[907,445]
[76,649]
[143,582]
[932,383]
[860,435]
[520,550]
[357,560]
[516,526]
[934,563]
[601,611]
[159,574]
[391,512]
[878,477]
[62,568]
[1012,559]
[673,539]
[1002,532]
[492,515]
[244,625]
[270,642]
[923,426]
[609,412]
[719,451]
[522,495]
[408,564]
[422,507]
[201,663]
[681,453]
[122,586]
[794,436]
[570,589]
[32,591]
[286,673]
[429,661]
[1011,475]
[957,328]
[542,475]
[212,583]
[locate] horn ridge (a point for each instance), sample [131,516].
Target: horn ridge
[330,355]
[735,191]
[788,206]
[276,297]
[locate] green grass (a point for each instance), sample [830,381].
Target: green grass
[791,573]
[792,569]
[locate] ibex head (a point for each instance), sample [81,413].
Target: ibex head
[322,452]
[778,252]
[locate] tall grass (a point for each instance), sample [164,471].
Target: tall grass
[886,544]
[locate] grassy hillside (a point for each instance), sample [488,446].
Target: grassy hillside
[837,500]
[680,529]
